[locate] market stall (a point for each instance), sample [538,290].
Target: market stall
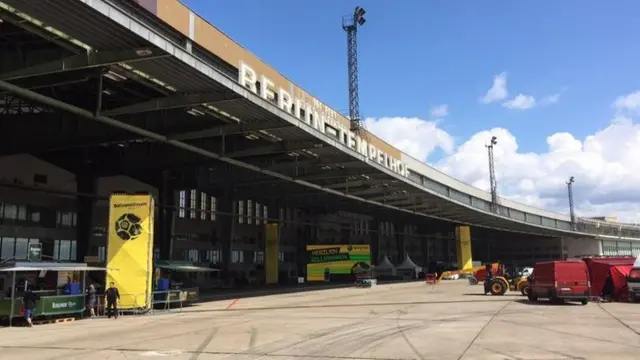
[385,269]
[172,282]
[408,268]
[59,287]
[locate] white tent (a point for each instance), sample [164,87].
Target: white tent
[407,264]
[636,264]
[385,265]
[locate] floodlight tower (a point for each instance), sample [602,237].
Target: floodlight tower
[350,24]
[572,211]
[492,175]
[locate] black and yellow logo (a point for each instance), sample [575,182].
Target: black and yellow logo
[128,226]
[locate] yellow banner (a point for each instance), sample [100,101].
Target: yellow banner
[325,261]
[463,247]
[130,248]
[271,253]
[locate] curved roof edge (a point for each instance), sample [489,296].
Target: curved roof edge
[181,17]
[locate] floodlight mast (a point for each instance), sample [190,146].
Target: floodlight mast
[492,175]
[350,24]
[572,212]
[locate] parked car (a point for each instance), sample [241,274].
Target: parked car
[560,280]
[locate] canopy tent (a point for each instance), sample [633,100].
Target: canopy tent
[407,264]
[38,266]
[384,265]
[636,264]
[600,268]
[619,274]
[182,266]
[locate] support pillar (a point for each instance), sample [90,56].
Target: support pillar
[87,183]
[463,247]
[166,216]
[273,231]
[374,235]
[226,215]
[307,237]
[400,242]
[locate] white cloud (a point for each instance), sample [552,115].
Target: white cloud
[415,136]
[605,164]
[520,102]
[498,91]
[440,111]
[628,102]
[551,99]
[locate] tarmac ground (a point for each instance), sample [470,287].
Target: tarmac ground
[451,320]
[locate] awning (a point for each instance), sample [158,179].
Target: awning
[183,266]
[45,266]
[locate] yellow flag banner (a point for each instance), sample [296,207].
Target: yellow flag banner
[130,249]
[271,252]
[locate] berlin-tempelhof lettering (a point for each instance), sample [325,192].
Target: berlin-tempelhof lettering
[319,116]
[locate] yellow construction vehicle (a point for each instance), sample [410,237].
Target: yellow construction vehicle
[499,285]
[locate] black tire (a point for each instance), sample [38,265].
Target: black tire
[532,297]
[526,290]
[497,288]
[584,301]
[473,281]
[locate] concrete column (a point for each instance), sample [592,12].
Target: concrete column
[307,235]
[226,217]
[400,241]
[166,216]
[374,244]
[87,184]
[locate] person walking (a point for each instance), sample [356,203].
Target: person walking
[92,299]
[113,295]
[29,300]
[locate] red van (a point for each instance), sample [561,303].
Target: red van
[560,280]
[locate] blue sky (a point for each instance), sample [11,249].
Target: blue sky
[426,53]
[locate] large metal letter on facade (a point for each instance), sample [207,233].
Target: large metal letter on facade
[463,247]
[130,248]
[271,252]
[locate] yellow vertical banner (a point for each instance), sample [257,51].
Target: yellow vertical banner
[130,249]
[463,247]
[271,252]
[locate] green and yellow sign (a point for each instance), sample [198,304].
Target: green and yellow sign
[326,260]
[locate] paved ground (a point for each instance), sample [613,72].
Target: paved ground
[403,321]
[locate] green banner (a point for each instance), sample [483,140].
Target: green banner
[5,307]
[55,305]
[46,305]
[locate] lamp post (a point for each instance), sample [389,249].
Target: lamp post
[492,175]
[572,212]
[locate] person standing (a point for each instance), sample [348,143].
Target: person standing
[113,295]
[29,300]
[489,275]
[92,300]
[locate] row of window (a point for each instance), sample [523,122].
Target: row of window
[47,217]
[204,207]
[237,256]
[18,248]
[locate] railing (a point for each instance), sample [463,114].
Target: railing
[598,227]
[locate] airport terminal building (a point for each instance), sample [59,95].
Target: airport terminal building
[145,96]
